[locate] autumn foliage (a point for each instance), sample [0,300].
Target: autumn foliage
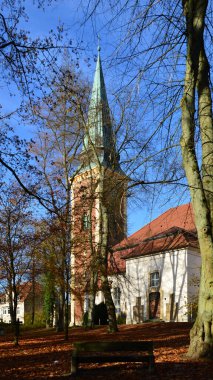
[43,354]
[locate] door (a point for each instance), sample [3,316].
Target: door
[154,305]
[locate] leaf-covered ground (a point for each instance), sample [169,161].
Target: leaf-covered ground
[43,354]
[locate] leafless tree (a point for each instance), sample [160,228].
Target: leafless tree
[166,48]
[55,149]
[17,239]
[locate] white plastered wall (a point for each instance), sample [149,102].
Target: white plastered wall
[176,268]
[5,315]
[194,267]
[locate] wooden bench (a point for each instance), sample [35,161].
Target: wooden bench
[109,352]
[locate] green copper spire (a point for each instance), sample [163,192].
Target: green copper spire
[99,134]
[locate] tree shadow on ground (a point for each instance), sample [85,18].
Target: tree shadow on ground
[43,355]
[134,371]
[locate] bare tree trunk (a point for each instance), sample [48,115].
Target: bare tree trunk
[113,327]
[33,294]
[13,314]
[197,76]
[66,322]
[104,228]
[61,309]
[13,296]
[92,294]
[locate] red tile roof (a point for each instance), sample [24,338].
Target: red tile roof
[26,288]
[172,239]
[174,229]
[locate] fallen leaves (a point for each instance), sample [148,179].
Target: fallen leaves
[44,354]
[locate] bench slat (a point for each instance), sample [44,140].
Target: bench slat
[114,346]
[110,359]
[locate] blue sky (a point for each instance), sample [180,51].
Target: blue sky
[85,36]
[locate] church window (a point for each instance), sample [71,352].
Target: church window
[86,221]
[117,299]
[82,191]
[154,279]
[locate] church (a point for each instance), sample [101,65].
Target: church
[152,274]
[159,269]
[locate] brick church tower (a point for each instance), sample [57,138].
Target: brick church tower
[98,202]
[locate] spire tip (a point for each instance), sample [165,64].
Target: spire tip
[99,48]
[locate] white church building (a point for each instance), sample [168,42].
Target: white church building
[158,269]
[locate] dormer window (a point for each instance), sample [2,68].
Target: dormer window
[86,221]
[155,279]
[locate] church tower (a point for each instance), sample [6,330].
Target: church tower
[98,202]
